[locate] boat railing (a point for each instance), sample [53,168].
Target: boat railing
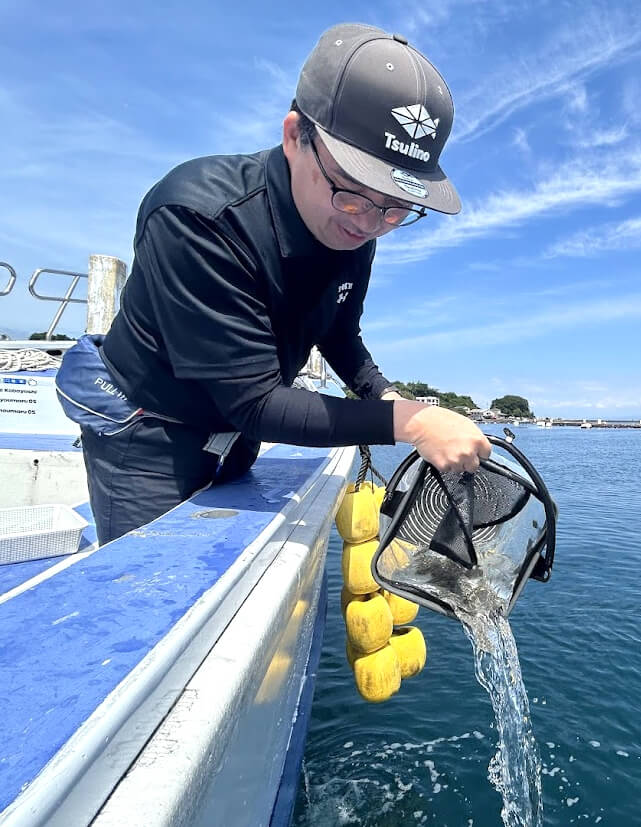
[12,278]
[106,277]
[65,300]
[316,367]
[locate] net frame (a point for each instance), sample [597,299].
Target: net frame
[539,559]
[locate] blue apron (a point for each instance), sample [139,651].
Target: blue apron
[88,394]
[90,397]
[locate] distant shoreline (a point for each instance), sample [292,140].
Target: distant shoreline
[566,423]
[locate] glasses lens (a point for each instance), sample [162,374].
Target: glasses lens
[351,203]
[354,204]
[401,218]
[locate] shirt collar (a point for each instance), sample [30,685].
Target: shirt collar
[294,239]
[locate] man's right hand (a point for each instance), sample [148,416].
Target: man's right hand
[449,441]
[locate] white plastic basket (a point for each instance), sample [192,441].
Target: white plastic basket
[37,531]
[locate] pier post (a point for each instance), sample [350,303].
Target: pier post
[107,276]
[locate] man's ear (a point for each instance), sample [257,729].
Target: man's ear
[291,134]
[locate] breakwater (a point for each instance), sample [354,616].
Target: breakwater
[595,423]
[573,423]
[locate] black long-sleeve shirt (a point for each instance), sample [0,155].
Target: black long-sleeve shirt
[228,292]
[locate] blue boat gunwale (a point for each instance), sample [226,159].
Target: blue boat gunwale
[16,441]
[181,649]
[184,757]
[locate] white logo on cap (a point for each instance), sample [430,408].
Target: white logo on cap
[416,121]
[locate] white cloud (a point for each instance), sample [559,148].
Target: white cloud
[586,45]
[531,325]
[624,235]
[581,181]
[601,137]
[487,266]
[449,309]
[430,312]
[583,121]
[578,98]
[54,20]
[630,100]
[573,399]
[451,17]
[418,18]
[626,402]
[520,141]
[572,287]
[591,386]
[263,111]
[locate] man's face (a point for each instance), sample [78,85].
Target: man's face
[313,195]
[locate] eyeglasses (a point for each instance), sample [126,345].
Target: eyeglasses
[355,204]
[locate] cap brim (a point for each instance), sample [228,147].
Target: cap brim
[428,189]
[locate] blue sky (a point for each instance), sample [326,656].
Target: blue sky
[533,289]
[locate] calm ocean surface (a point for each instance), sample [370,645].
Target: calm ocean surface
[422,757]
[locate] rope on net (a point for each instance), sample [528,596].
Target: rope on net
[29,359]
[366,465]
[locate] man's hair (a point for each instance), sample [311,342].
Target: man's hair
[307,127]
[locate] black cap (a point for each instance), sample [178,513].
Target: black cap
[383,112]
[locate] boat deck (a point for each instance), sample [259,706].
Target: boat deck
[131,612]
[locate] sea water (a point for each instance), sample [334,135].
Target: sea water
[422,757]
[480,598]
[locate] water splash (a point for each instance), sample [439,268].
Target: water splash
[480,598]
[515,769]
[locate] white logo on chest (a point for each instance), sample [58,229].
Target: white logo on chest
[343,291]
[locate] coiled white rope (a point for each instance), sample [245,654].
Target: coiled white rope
[14,360]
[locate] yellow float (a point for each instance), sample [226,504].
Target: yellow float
[369,623]
[377,490]
[351,653]
[357,517]
[409,644]
[347,596]
[403,611]
[378,674]
[357,567]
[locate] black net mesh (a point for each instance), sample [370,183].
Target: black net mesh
[441,534]
[452,512]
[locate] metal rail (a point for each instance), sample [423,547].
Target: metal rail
[65,300]
[12,278]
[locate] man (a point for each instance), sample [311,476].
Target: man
[242,263]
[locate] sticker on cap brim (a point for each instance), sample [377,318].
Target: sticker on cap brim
[409,183]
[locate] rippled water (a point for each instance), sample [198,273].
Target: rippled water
[422,757]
